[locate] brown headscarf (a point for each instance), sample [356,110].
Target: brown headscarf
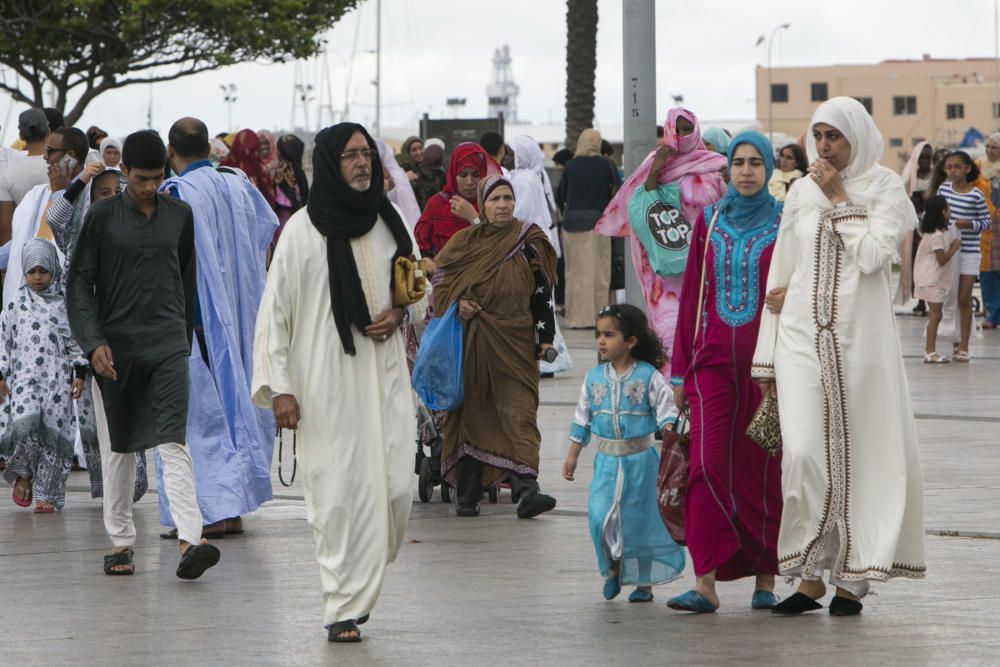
[489,264]
[589,144]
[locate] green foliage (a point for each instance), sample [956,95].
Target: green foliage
[86,47]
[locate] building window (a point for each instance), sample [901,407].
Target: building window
[955,111]
[917,140]
[895,142]
[820,93]
[996,109]
[866,102]
[779,92]
[904,106]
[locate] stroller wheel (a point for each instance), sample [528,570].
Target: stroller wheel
[494,493]
[425,487]
[445,492]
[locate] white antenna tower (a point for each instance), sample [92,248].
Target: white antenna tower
[502,92]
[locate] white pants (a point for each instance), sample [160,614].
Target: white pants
[118,473]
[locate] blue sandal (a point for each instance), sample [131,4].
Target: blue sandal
[763,600]
[612,587]
[641,596]
[692,601]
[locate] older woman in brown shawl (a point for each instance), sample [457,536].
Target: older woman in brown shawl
[501,274]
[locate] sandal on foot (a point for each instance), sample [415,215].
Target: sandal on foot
[334,631]
[763,600]
[796,604]
[935,358]
[118,559]
[21,502]
[841,606]
[640,596]
[691,601]
[612,587]
[197,559]
[44,508]
[962,357]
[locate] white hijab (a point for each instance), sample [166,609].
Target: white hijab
[402,192]
[532,189]
[868,183]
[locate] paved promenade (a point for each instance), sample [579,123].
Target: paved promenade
[503,591]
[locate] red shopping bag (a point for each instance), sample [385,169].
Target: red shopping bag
[672,478]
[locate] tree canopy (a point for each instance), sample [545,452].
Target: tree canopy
[84,48]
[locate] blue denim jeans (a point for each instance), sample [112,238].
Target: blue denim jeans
[989,283]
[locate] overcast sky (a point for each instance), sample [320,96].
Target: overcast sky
[435,49]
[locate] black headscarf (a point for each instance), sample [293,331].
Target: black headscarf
[341,214]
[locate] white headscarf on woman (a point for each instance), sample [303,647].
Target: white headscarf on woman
[111,142]
[532,190]
[402,193]
[880,189]
[909,173]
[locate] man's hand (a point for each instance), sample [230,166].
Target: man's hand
[680,396]
[286,411]
[4,391]
[90,171]
[59,177]
[103,363]
[542,349]
[384,325]
[775,300]
[77,391]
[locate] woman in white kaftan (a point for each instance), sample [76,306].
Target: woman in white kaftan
[851,479]
[357,417]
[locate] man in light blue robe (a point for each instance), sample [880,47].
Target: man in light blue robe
[231,441]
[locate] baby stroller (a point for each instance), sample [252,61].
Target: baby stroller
[428,464]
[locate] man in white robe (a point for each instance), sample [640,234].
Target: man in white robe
[329,359]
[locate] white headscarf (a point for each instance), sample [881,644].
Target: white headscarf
[880,189]
[909,173]
[532,190]
[111,142]
[990,170]
[402,192]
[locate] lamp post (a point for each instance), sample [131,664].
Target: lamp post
[770,92]
[229,97]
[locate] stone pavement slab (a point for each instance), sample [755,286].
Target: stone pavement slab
[499,590]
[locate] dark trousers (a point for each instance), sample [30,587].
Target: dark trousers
[470,482]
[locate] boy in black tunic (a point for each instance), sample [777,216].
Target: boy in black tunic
[130,298]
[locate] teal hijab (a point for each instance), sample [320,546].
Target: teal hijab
[741,211]
[718,138]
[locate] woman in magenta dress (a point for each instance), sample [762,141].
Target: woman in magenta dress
[732,508]
[682,166]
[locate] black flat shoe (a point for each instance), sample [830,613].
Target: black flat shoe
[197,559]
[534,504]
[342,627]
[840,606]
[467,510]
[796,604]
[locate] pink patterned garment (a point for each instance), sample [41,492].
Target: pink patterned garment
[697,171]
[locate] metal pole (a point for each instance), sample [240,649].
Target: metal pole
[639,51]
[770,92]
[378,68]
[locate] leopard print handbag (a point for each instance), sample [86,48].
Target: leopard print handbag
[765,427]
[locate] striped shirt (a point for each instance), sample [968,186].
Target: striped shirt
[967,206]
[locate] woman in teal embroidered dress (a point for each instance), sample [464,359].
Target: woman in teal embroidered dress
[733,501]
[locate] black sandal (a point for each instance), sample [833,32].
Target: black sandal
[341,627]
[118,559]
[841,606]
[197,559]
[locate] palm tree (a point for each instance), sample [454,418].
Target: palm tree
[581,66]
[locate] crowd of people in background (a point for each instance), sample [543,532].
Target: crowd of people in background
[187,297]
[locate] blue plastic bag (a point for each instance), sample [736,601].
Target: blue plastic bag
[438,368]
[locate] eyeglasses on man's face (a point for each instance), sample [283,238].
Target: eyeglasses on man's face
[355,155]
[49,150]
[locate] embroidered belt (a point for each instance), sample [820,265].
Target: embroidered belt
[623,447]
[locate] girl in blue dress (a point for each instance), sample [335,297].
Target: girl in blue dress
[623,403]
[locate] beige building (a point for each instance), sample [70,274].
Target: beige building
[910,100]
